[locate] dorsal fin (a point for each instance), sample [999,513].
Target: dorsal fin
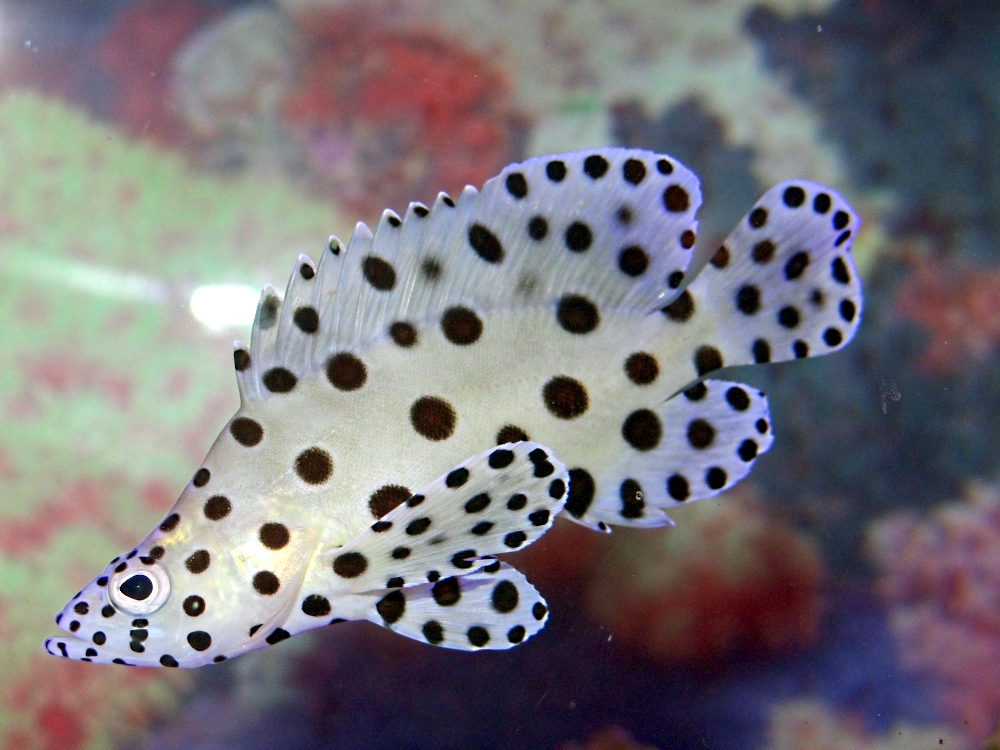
[615,226]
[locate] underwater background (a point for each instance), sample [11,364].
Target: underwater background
[157,156]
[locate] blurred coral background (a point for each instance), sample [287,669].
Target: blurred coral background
[156,156]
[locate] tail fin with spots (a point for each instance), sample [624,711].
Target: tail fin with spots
[782,286]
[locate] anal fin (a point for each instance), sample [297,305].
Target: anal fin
[492,608]
[711,435]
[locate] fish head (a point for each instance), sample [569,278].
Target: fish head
[189,595]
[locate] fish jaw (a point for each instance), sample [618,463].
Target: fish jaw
[197,616]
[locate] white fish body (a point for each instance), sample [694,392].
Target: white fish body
[547,314]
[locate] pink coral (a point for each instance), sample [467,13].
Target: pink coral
[80,499]
[566,553]
[387,114]
[66,701]
[71,375]
[811,725]
[941,578]
[727,577]
[958,308]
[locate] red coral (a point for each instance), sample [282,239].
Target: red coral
[136,55]
[388,115]
[941,578]
[567,552]
[727,577]
[67,701]
[79,500]
[612,738]
[66,374]
[959,308]
[82,498]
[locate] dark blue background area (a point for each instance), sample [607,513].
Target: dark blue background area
[910,90]
[365,689]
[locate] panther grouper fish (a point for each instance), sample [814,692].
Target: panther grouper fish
[432,394]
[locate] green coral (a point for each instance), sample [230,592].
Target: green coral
[110,389]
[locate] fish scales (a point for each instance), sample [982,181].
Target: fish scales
[435,392]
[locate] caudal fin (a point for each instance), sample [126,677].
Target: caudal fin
[782,286]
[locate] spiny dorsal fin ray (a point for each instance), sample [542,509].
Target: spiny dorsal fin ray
[709,437]
[499,501]
[298,312]
[263,355]
[310,297]
[614,226]
[327,282]
[782,286]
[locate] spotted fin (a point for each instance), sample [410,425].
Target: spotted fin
[492,608]
[608,228]
[700,443]
[277,357]
[782,286]
[262,357]
[499,501]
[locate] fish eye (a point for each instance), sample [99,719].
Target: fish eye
[138,587]
[139,591]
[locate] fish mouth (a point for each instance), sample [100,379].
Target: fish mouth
[69,646]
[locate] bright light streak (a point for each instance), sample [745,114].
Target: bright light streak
[218,307]
[111,283]
[221,306]
[85,277]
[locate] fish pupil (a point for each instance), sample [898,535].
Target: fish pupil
[137,587]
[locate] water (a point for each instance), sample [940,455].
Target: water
[158,160]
